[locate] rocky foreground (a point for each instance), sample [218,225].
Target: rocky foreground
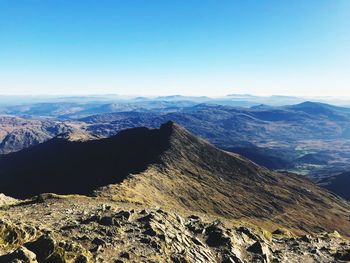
[80,229]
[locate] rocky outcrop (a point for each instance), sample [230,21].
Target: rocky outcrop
[81,230]
[6,200]
[20,255]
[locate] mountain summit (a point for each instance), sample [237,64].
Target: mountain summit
[171,168]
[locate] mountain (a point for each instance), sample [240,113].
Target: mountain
[19,133]
[317,108]
[281,132]
[161,195]
[85,165]
[215,122]
[172,168]
[310,138]
[73,110]
[222,125]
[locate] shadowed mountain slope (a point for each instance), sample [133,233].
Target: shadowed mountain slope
[340,184]
[172,168]
[261,156]
[64,166]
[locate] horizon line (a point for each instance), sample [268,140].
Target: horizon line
[167,95]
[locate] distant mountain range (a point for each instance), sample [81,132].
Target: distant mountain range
[289,123]
[284,134]
[307,138]
[72,107]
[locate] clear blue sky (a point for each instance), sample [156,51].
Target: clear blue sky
[191,47]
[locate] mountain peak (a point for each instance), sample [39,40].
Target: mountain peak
[318,108]
[169,125]
[172,128]
[80,163]
[310,104]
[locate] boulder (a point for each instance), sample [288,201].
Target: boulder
[260,249]
[216,237]
[343,255]
[81,259]
[21,254]
[43,247]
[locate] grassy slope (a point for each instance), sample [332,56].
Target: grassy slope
[196,177]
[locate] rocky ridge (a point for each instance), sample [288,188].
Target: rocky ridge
[77,229]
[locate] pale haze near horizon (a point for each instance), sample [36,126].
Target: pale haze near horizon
[298,48]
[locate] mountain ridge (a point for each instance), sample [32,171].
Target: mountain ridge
[85,165]
[170,167]
[199,177]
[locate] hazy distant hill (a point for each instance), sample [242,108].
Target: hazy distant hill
[241,124]
[73,110]
[73,107]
